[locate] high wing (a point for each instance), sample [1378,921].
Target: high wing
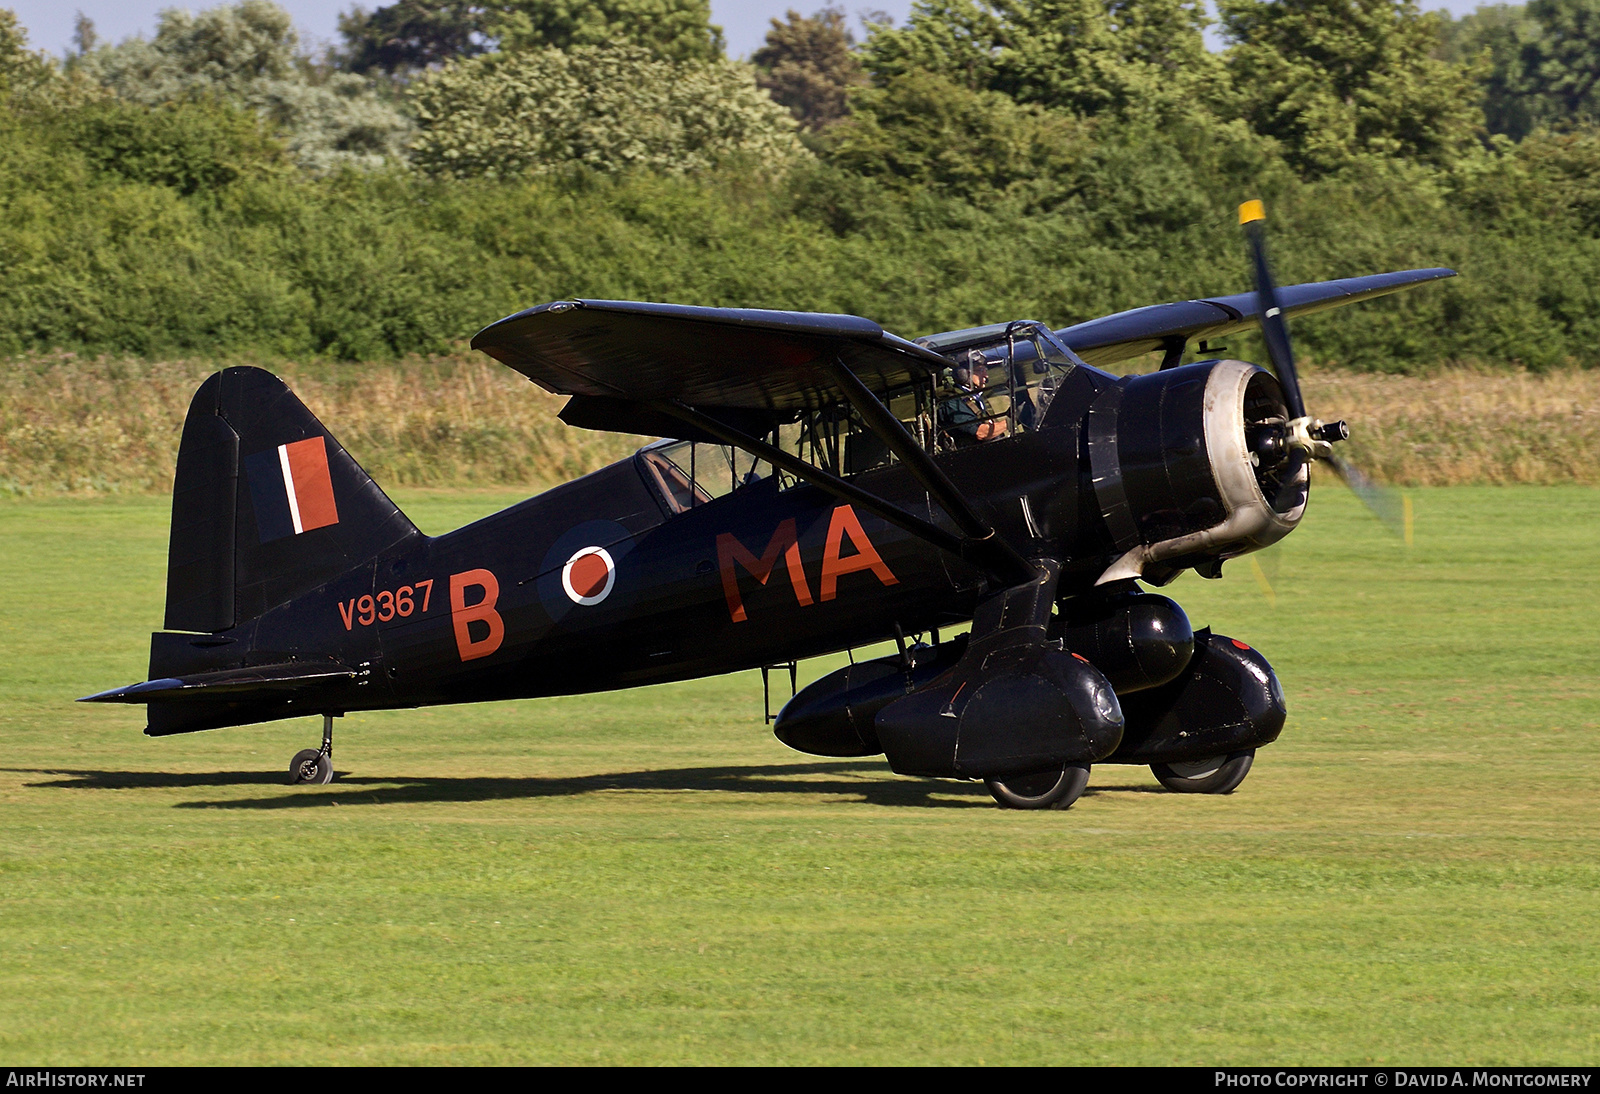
[703,357]
[1160,326]
[623,356]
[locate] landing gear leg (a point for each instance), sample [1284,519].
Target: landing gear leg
[315,765]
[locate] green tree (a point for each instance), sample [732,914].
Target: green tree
[248,55]
[411,34]
[1496,35]
[32,79]
[19,66]
[1086,56]
[607,108]
[674,30]
[809,65]
[923,130]
[1561,65]
[1336,79]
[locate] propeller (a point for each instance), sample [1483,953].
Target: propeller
[1303,437]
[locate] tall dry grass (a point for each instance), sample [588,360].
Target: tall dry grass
[74,426]
[71,426]
[1467,425]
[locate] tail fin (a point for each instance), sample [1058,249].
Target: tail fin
[266,505]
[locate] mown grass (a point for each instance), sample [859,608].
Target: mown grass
[110,426]
[1408,876]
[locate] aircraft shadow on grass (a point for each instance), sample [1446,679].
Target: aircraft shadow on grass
[399,790]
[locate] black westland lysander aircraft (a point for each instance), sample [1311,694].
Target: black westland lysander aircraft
[829,486]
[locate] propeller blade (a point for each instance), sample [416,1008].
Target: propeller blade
[1384,502]
[1253,218]
[1308,437]
[1264,565]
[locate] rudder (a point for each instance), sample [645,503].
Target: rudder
[266,505]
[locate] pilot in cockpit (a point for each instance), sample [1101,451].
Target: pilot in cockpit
[966,416]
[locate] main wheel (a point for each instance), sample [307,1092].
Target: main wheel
[1216,775]
[310,766]
[1055,789]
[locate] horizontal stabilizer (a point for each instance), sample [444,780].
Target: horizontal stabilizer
[264,681]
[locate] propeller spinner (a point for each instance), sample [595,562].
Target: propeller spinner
[1301,438]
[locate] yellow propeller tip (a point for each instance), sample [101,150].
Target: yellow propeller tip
[1252,211]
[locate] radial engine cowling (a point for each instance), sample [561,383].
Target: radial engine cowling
[1187,467]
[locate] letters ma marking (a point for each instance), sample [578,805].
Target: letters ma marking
[842,524]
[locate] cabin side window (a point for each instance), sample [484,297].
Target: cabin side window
[836,439]
[1020,366]
[1000,387]
[688,473]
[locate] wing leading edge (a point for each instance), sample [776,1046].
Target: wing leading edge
[1147,330]
[719,357]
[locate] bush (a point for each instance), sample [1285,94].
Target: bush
[225,254]
[192,147]
[612,108]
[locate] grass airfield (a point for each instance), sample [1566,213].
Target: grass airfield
[1408,876]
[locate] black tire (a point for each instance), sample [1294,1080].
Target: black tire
[310,766]
[1216,775]
[1056,789]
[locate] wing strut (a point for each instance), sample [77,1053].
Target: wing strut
[842,488]
[983,544]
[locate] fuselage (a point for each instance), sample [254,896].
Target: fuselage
[771,572]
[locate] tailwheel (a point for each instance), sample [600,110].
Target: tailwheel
[315,765]
[1057,788]
[310,766]
[1215,775]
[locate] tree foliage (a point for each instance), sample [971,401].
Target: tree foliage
[190,147]
[1085,56]
[1543,62]
[1494,37]
[1337,79]
[32,80]
[673,30]
[606,108]
[247,54]
[922,130]
[809,65]
[1562,63]
[20,67]
[411,34]
[1050,158]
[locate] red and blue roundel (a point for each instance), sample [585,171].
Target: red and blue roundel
[586,573]
[589,576]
